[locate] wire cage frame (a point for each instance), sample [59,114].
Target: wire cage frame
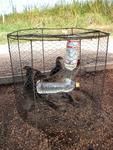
[38,48]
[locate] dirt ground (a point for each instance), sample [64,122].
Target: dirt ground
[67,126]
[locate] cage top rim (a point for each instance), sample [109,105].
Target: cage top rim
[87,34]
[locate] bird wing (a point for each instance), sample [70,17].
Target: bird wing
[57,68]
[61,75]
[56,77]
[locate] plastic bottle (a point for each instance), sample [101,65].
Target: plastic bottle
[48,88]
[72,54]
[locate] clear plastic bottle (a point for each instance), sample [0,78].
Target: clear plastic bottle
[49,88]
[72,54]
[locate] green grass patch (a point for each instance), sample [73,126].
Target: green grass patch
[95,14]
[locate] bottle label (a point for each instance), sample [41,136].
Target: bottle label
[72,52]
[71,55]
[72,44]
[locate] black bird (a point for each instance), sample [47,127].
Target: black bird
[28,89]
[26,96]
[30,72]
[57,73]
[58,66]
[46,77]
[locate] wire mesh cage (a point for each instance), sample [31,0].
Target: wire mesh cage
[33,50]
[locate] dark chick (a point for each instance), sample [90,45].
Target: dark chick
[29,87]
[28,84]
[32,75]
[57,73]
[58,66]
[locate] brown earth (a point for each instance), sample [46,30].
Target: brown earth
[68,126]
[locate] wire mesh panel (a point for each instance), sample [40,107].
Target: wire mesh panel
[36,50]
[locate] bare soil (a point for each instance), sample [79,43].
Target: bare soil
[68,126]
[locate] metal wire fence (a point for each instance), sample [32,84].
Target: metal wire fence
[52,113]
[39,48]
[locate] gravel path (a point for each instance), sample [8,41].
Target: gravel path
[51,49]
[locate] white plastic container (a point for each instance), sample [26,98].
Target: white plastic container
[49,88]
[72,54]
